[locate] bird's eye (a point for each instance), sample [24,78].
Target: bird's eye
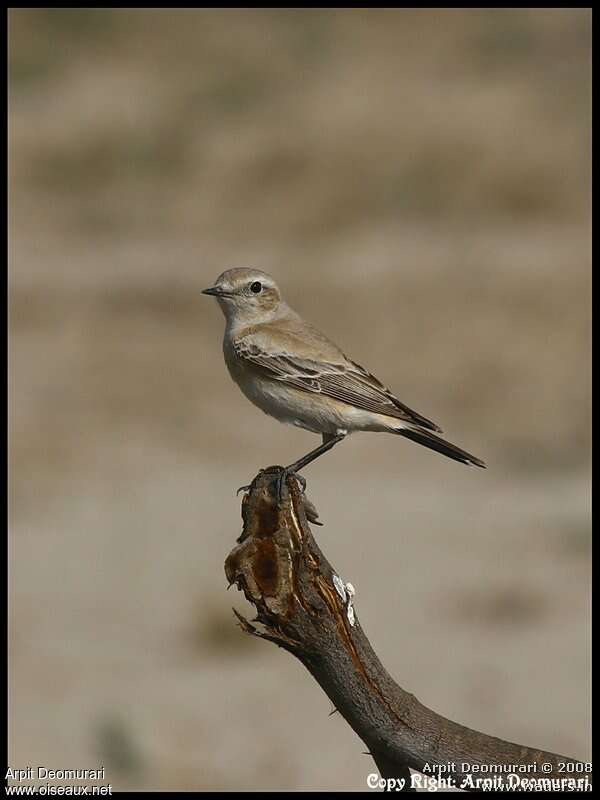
[256,287]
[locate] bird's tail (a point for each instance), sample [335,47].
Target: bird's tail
[433,442]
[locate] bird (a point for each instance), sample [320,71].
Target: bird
[294,373]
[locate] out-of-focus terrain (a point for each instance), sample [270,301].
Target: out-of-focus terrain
[418,182]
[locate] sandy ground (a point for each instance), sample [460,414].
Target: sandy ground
[418,182]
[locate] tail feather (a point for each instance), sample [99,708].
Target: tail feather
[433,442]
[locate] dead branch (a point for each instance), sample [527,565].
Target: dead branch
[304,607]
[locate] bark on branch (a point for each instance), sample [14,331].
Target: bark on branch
[303,607]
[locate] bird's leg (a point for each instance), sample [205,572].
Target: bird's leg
[329,441]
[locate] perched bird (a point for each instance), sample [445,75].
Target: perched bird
[294,373]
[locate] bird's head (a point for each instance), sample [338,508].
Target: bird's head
[246,295]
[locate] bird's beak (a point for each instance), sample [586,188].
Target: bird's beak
[215,291]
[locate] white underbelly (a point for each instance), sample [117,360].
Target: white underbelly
[289,405]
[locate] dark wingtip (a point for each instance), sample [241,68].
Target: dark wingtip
[477,462]
[433,442]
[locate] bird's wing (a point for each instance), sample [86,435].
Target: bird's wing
[341,380]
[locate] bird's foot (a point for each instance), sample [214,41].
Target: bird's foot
[249,486]
[301,480]
[283,473]
[282,482]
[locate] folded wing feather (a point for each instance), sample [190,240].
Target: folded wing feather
[347,382]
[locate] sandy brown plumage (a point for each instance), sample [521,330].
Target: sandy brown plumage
[293,372]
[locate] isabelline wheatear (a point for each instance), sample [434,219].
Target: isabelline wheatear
[294,373]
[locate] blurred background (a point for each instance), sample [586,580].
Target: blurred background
[418,181]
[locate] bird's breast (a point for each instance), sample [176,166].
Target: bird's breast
[286,403]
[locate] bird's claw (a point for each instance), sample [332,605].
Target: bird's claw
[281,482]
[301,480]
[281,479]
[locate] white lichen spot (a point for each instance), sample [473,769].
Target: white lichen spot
[350,614]
[350,591]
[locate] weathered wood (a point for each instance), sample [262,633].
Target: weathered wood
[283,573]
